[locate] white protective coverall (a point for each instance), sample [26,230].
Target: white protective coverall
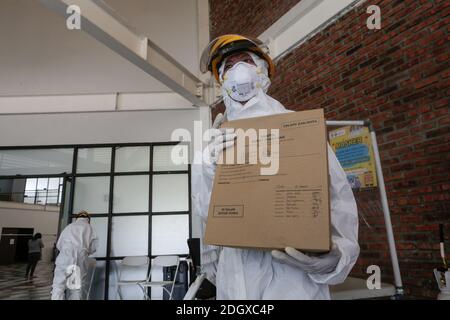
[255,274]
[75,244]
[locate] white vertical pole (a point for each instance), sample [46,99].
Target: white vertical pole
[387,215]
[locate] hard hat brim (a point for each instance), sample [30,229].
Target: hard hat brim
[225,45]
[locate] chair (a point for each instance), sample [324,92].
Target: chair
[199,286]
[134,263]
[162,261]
[194,287]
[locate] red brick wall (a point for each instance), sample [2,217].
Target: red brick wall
[248,17]
[398,77]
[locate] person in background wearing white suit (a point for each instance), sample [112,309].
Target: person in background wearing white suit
[75,244]
[243,68]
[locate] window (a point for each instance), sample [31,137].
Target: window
[137,196]
[35,161]
[94,160]
[43,191]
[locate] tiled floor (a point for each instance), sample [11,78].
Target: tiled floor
[14,286]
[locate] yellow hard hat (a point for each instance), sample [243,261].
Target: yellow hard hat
[83,214]
[227,44]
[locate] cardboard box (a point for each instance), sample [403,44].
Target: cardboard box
[290,208]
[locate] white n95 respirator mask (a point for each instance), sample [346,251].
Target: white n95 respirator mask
[241,82]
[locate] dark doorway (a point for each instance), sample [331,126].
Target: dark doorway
[14,245]
[23,235]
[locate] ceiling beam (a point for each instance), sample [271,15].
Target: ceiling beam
[137,49]
[93,103]
[302,22]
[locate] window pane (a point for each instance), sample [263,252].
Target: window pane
[97,291]
[94,160]
[162,158]
[100,226]
[91,194]
[29,197]
[41,199]
[131,194]
[52,194]
[52,197]
[132,159]
[42,184]
[170,193]
[170,234]
[36,161]
[53,184]
[98,282]
[129,236]
[31,184]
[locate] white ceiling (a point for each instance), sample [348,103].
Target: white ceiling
[39,56]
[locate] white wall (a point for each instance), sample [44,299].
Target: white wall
[40,56]
[100,127]
[30,216]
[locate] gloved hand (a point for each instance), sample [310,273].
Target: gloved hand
[317,264]
[220,139]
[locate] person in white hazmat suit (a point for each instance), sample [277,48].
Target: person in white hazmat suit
[243,68]
[75,244]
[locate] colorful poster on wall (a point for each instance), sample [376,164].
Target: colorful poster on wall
[353,148]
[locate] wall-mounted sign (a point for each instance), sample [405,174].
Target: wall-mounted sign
[353,148]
